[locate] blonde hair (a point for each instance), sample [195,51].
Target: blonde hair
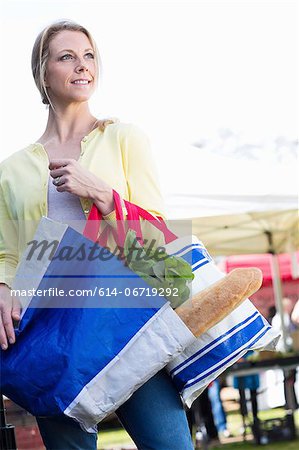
[40,56]
[40,53]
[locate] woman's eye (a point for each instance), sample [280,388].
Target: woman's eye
[66,56]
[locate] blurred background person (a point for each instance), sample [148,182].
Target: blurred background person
[289,314]
[295,314]
[289,325]
[218,410]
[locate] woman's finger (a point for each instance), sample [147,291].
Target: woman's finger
[59,181]
[57,172]
[3,339]
[16,308]
[62,186]
[8,325]
[56,163]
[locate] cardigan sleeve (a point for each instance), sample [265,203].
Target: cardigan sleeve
[142,179]
[8,242]
[141,172]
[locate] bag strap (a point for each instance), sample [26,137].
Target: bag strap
[158,222]
[134,214]
[133,219]
[95,219]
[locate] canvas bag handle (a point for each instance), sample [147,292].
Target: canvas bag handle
[95,219]
[134,214]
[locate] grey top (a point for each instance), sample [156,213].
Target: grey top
[65,207]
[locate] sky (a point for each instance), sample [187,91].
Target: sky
[182,71]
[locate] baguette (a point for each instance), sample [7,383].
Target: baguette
[211,305]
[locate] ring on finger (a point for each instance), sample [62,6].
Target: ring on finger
[57,181]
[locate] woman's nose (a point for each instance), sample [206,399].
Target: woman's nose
[81,67]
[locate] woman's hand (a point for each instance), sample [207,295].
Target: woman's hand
[69,176]
[10,309]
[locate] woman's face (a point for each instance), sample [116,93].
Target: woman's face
[71,69]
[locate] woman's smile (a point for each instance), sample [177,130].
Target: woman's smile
[81,82]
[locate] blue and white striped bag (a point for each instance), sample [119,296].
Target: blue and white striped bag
[221,346]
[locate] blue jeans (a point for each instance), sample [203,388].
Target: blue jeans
[154,417]
[217,406]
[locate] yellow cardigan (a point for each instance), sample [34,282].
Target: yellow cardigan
[120,155]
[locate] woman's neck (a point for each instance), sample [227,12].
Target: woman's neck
[68,123]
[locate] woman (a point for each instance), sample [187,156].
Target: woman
[76,162]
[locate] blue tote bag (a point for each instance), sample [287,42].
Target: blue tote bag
[79,355]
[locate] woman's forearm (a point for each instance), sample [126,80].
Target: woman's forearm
[103,200]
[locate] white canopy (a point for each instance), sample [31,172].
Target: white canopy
[238,206]
[253,232]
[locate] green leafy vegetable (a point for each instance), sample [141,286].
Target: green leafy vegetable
[159,269]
